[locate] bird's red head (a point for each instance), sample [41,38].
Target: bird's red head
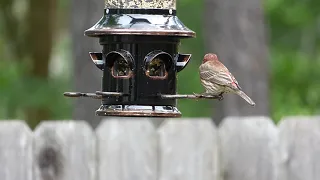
[210,57]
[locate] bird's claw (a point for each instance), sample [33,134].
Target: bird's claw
[197,95]
[220,97]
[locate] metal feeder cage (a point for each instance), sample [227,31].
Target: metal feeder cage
[139,58]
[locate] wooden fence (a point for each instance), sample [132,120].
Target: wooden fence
[247,148]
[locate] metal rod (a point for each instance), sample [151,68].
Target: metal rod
[188,96]
[109,93]
[97,95]
[79,94]
[100,94]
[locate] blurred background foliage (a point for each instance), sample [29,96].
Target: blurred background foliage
[294,40]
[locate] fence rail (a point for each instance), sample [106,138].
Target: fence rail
[241,148]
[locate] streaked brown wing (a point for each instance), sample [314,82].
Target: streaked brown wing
[214,75]
[235,81]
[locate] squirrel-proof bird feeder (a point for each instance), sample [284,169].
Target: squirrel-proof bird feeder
[139,58]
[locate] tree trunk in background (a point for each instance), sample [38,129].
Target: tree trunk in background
[235,31]
[40,32]
[87,78]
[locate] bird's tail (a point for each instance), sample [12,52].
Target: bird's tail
[246,97]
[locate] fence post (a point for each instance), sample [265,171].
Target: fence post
[15,151]
[64,150]
[248,148]
[127,148]
[188,150]
[300,148]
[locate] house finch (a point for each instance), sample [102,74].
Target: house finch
[216,79]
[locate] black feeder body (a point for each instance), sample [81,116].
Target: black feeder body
[139,58]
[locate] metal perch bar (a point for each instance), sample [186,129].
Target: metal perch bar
[97,95]
[110,93]
[100,94]
[187,96]
[79,94]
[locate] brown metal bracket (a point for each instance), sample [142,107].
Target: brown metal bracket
[97,95]
[100,94]
[111,94]
[80,94]
[189,96]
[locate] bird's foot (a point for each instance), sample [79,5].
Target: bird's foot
[198,95]
[204,94]
[220,97]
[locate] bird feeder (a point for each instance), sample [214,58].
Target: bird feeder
[139,58]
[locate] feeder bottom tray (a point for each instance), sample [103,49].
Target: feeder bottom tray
[138,111]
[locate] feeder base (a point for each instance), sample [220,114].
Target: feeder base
[138,111]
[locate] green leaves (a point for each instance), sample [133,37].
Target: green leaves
[295,84]
[19,91]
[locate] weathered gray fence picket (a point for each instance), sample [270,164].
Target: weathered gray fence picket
[242,148]
[188,150]
[64,150]
[248,148]
[15,151]
[127,150]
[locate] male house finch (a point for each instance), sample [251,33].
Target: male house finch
[216,79]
